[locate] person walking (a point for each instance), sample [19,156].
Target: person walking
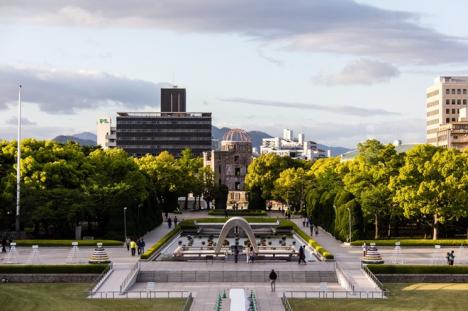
[303,223]
[127,243]
[175,221]
[273,277]
[252,255]
[302,255]
[452,257]
[142,245]
[311,229]
[364,249]
[247,254]
[4,244]
[169,222]
[133,247]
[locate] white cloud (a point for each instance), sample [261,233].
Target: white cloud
[56,91]
[338,26]
[24,121]
[362,71]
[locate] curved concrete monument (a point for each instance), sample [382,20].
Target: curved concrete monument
[229,225]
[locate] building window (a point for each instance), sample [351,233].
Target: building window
[447,91]
[236,158]
[453,119]
[447,120]
[453,91]
[464,91]
[219,169]
[447,111]
[219,181]
[453,101]
[464,102]
[458,101]
[453,111]
[459,91]
[237,185]
[237,171]
[447,101]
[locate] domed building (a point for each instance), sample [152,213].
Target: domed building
[230,165]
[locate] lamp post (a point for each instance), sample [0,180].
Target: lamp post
[138,219]
[349,218]
[125,223]
[18,169]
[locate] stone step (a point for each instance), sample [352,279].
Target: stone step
[236,276]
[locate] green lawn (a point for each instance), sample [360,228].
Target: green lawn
[410,297]
[71,297]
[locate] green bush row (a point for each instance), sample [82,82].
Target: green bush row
[413,242]
[418,269]
[67,242]
[312,243]
[89,268]
[162,241]
[247,212]
[249,219]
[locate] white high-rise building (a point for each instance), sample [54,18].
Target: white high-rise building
[444,100]
[287,146]
[105,132]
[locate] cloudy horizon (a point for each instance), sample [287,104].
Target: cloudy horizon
[340,71]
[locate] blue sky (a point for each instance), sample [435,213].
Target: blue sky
[340,71]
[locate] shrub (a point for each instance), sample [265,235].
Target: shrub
[417,269]
[312,243]
[412,242]
[67,242]
[48,269]
[217,212]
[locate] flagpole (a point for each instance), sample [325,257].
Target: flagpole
[18,168]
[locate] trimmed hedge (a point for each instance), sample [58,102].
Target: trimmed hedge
[220,212]
[223,220]
[48,269]
[412,242]
[312,243]
[67,242]
[418,269]
[162,241]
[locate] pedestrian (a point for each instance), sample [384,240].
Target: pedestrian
[364,249]
[4,244]
[273,277]
[139,246]
[303,223]
[452,257]
[448,258]
[316,230]
[302,255]
[311,229]
[133,247]
[166,214]
[127,243]
[169,222]
[307,222]
[236,254]
[9,241]
[175,221]
[247,254]
[143,244]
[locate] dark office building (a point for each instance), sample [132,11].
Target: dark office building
[173,100]
[140,133]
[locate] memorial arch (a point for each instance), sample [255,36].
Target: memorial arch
[232,223]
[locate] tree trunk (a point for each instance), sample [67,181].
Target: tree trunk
[376,228]
[436,227]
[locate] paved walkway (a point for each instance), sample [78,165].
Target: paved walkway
[348,258]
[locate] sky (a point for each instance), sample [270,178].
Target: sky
[339,71]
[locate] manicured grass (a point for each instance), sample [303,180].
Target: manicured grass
[91,268]
[418,269]
[67,243]
[418,296]
[72,297]
[413,242]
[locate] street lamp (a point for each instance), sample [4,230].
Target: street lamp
[125,223]
[138,219]
[349,218]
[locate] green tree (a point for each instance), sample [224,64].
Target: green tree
[290,187]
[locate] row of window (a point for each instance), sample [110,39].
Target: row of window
[207,147]
[432,104]
[455,101]
[433,112]
[433,93]
[447,120]
[454,111]
[455,91]
[432,122]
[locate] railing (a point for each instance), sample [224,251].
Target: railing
[100,279]
[130,277]
[286,304]
[335,294]
[375,279]
[343,279]
[188,303]
[142,294]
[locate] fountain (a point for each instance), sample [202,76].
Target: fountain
[99,255]
[372,255]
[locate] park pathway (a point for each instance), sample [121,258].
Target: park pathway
[347,257]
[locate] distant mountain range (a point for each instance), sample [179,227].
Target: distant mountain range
[89,139]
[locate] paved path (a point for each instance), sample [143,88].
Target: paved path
[347,257]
